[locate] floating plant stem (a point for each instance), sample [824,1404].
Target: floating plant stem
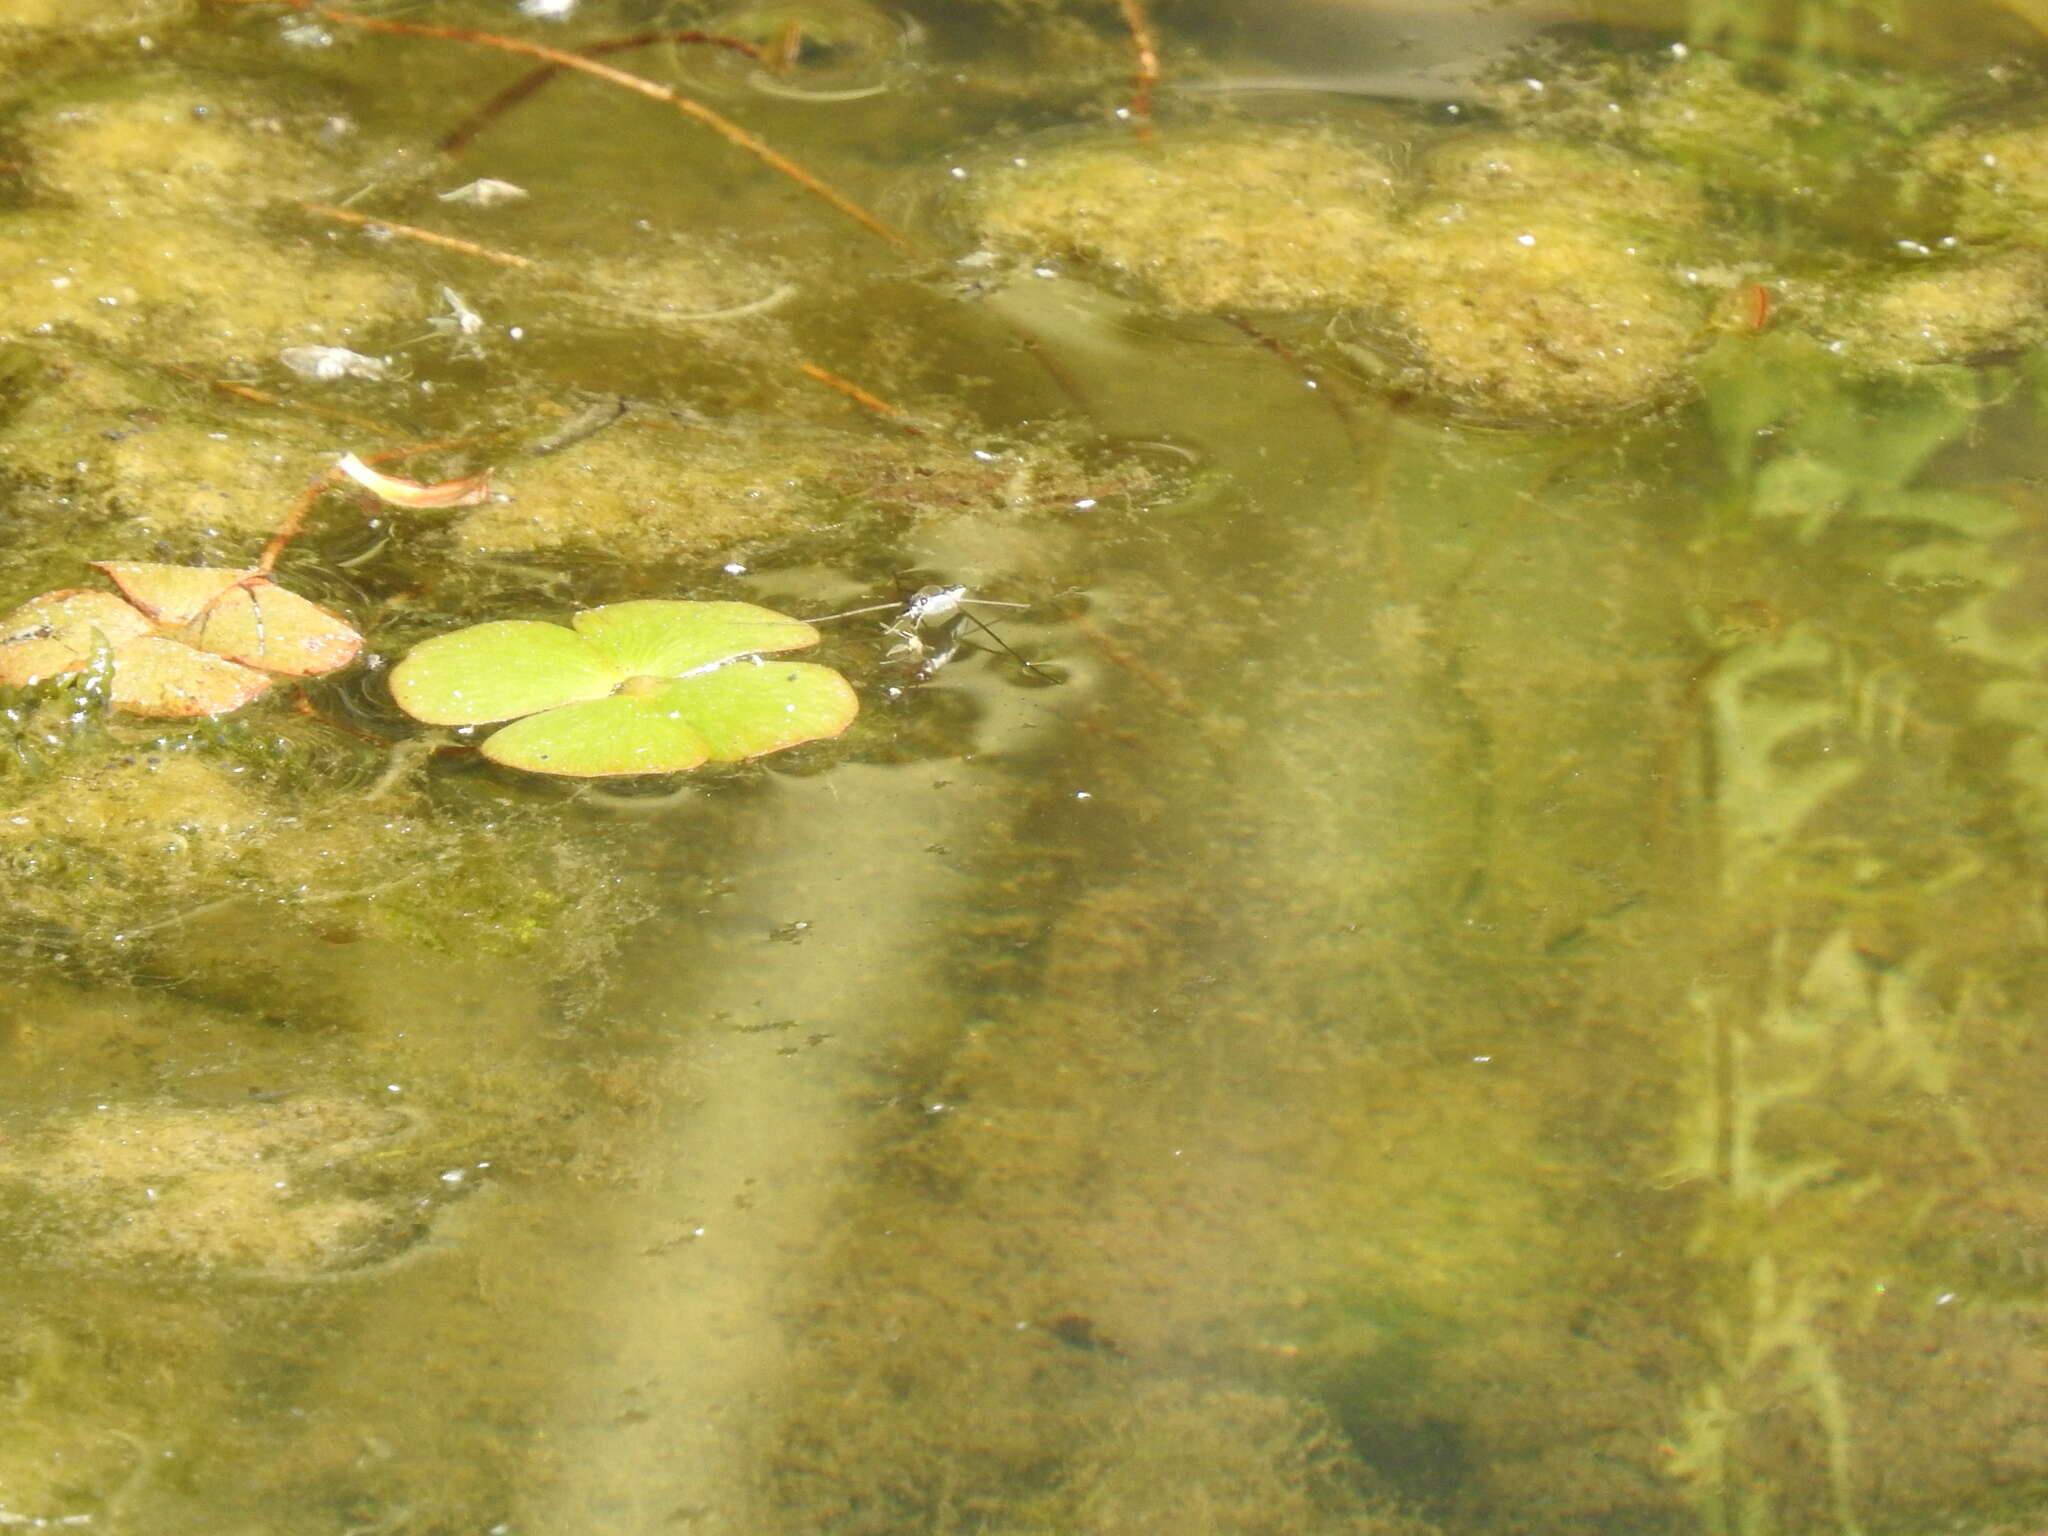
[726,129]
[1146,42]
[464,133]
[254,396]
[424,236]
[860,397]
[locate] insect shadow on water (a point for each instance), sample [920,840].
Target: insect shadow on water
[927,626]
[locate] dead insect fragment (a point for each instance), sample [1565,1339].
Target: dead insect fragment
[485,192]
[326,364]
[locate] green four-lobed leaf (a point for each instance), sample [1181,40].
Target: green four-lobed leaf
[641,687]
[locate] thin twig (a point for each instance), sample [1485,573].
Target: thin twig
[1168,688]
[424,236]
[459,138]
[860,397]
[1146,42]
[730,131]
[275,402]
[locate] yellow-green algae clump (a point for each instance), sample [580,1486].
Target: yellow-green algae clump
[1514,278]
[246,1188]
[644,491]
[131,849]
[143,230]
[1997,179]
[115,459]
[1253,218]
[1534,280]
[1952,310]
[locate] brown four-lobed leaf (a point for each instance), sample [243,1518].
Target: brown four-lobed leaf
[184,641]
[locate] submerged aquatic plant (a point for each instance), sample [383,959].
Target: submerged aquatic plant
[182,641]
[641,687]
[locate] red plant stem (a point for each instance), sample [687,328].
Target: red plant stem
[1146,42]
[294,523]
[1756,306]
[859,396]
[459,138]
[731,132]
[275,402]
[413,232]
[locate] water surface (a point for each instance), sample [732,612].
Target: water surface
[1479,981]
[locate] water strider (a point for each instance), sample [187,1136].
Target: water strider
[925,627]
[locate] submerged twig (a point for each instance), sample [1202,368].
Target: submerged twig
[768,85]
[730,131]
[860,397]
[1168,688]
[464,133]
[1146,42]
[592,419]
[424,236]
[256,396]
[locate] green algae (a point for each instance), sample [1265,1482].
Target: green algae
[1530,278]
[232,1190]
[653,492]
[1516,278]
[1534,281]
[113,847]
[1964,308]
[1996,174]
[141,232]
[1245,218]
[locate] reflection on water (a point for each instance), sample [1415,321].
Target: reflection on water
[1478,983]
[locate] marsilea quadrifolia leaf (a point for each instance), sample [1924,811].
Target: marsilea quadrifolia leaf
[640,687]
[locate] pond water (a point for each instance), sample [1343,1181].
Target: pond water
[1452,948]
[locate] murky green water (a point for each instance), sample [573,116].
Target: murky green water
[1465,964]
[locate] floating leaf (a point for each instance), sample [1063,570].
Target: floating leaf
[400,492]
[188,641]
[499,671]
[601,737]
[752,708]
[60,632]
[158,676]
[640,687]
[261,625]
[173,595]
[667,639]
